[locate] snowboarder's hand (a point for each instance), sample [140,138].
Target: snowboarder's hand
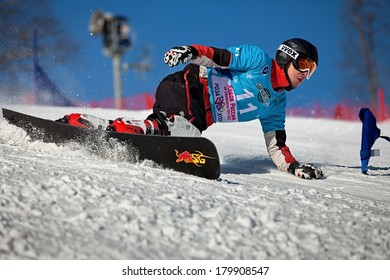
[305,171]
[177,54]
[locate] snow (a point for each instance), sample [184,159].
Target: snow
[64,202]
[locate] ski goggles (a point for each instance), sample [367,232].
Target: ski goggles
[305,64]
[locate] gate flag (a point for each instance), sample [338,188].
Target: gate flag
[370,132]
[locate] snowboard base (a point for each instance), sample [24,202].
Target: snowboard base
[191,155]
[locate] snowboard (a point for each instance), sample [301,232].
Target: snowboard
[191,155]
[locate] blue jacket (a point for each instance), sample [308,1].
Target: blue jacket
[240,88]
[242,91]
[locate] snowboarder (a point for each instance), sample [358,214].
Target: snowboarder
[239,84]
[236,84]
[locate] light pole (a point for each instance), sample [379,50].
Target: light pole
[116,41]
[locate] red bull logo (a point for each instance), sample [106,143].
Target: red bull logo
[197,157]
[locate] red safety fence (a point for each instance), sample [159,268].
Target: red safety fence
[343,110]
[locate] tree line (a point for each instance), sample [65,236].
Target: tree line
[19,19]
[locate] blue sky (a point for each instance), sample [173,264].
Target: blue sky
[161,25]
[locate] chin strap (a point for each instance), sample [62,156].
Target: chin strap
[290,87]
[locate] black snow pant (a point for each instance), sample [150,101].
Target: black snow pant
[185,93]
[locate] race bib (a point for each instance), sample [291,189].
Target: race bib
[224,99]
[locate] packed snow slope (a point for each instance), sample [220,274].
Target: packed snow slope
[65,202]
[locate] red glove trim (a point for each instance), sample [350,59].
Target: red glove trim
[288,157]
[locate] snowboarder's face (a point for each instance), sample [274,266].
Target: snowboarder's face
[296,77]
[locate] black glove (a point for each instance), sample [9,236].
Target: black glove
[305,171]
[183,54]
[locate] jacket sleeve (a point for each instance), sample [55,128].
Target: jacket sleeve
[211,57]
[278,151]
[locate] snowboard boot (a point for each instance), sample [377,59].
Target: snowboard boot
[174,125]
[155,124]
[159,119]
[180,126]
[84,121]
